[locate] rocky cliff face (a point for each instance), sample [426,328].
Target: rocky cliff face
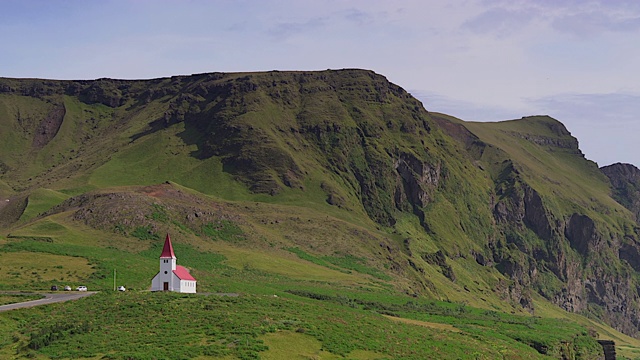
[625,180]
[577,259]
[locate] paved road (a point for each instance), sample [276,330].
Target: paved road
[49,298]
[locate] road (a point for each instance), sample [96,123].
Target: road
[49,298]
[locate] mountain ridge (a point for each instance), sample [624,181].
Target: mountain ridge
[436,206]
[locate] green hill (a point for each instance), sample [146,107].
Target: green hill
[374,221]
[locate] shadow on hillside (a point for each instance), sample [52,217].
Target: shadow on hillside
[208,131]
[154,126]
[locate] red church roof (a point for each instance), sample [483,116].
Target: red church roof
[167,250]
[182,273]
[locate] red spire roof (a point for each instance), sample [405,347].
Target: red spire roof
[182,273]
[167,250]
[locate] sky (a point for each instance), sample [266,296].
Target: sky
[480,60]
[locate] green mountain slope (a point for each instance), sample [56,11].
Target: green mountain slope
[548,188]
[312,185]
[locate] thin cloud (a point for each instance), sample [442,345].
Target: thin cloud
[285,30]
[597,109]
[500,21]
[591,23]
[466,110]
[582,19]
[358,16]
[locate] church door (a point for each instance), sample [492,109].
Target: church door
[166,286]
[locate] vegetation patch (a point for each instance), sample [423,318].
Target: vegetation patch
[145,233]
[224,230]
[98,264]
[433,325]
[47,335]
[16,298]
[547,336]
[159,213]
[41,269]
[160,325]
[299,346]
[344,263]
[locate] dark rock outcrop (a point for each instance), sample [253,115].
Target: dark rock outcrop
[625,180]
[416,183]
[582,234]
[439,259]
[49,127]
[609,347]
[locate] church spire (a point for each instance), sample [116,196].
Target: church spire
[167,250]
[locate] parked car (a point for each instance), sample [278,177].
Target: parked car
[81,288]
[121,288]
[54,288]
[67,288]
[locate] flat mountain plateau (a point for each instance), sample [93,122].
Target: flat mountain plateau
[352,222]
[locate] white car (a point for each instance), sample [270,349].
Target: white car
[121,288]
[81,288]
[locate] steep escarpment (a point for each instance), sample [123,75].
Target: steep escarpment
[559,237]
[272,130]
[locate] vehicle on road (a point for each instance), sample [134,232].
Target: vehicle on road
[121,288]
[54,288]
[67,288]
[81,288]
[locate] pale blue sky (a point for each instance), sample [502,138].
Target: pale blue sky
[485,60]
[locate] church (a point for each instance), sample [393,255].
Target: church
[172,277]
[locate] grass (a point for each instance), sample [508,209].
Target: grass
[223,230]
[127,326]
[296,346]
[274,263]
[347,262]
[96,272]
[344,324]
[565,176]
[5,190]
[626,346]
[348,324]
[130,166]
[433,325]
[25,268]
[40,201]
[223,266]
[546,335]
[16,298]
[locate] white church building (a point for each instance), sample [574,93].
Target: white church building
[172,277]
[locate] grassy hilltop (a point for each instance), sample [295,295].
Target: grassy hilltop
[350,221]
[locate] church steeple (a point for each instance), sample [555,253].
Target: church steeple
[167,250]
[171,276]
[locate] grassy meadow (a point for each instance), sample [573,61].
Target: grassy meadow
[288,302]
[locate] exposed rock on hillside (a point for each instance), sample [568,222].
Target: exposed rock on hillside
[49,127]
[625,179]
[148,207]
